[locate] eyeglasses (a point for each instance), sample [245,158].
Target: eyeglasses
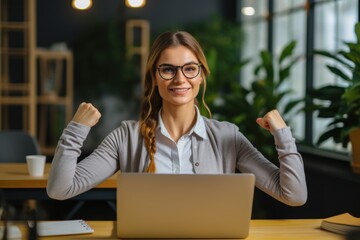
[168,72]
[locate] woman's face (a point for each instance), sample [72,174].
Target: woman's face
[180,90]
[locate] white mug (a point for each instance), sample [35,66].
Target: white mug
[36,165]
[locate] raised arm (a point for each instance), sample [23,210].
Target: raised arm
[69,177]
[287,182]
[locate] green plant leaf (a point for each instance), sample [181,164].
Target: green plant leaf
[326,112]
[351,56]
[291,105]
[329,92]
[284,73]
[287,51]
[334,133]
[332,56]
[267,65]
[338,72]
[352,94]
[357,31]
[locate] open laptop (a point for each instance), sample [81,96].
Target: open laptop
[184,205]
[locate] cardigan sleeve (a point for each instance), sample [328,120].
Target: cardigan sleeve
[285,183]
[68,177]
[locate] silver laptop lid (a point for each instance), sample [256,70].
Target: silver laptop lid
[184,205]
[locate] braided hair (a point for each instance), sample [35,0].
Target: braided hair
[152,101]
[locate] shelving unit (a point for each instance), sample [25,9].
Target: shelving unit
[138,47]
[17,73]
[36,85]
[54,96]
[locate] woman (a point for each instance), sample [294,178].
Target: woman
[172,136]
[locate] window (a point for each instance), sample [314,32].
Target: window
[255,34]
[334,23]
[274,23]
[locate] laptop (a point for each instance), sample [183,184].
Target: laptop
[184,205]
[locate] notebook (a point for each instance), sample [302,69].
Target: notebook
[66,227]
[342,223]
[13,232]
[184,205]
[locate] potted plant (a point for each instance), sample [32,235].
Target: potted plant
[267,92]
[341,103]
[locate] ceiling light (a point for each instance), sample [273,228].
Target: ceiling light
[135,3]
[248,11]
[82,4]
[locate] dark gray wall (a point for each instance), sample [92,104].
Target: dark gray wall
[57,21]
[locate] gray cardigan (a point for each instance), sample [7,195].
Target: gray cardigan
[225,150]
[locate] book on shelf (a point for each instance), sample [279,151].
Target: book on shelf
[342,223]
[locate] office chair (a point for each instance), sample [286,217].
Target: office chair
[15,145]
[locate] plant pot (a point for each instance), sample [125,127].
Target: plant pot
[355,145]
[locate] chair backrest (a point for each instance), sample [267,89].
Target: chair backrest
[15,145]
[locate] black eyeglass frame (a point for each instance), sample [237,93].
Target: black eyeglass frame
[181,68]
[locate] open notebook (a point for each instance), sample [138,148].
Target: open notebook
[51,228]
[184,205]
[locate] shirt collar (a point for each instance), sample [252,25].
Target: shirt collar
[198,128]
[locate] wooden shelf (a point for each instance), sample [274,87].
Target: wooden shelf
[56,71]
[30,86]
[14,87]
[14,51]
[141,49]
[20,26]
[18,87]
[53,100]
[53,54]
[22,100]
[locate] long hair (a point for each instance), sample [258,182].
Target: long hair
[152,101]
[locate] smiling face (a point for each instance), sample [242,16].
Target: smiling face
[180,90]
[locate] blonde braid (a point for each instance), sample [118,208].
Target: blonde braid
[148,132]
[149,119]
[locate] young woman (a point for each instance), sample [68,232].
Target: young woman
[172,136]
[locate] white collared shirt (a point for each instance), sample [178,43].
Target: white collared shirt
[176,157]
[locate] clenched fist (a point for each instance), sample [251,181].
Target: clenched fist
[272,121]
[87,115]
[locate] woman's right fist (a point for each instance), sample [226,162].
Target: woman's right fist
[87,115]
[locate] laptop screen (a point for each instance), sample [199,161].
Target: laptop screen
[184,205]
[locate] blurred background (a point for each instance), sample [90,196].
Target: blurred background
[263,54]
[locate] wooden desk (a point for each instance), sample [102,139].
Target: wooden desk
[299,229]
[19,185]
[15,175]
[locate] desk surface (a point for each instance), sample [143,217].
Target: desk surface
[15,175]
[303,229]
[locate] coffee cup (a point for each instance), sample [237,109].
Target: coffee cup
[36,165]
